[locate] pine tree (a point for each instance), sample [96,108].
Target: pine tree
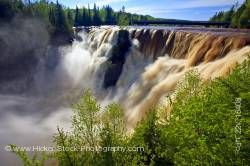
[229,14]
[61,21]
[245,16]
[52,18]
[77,17]
[123,9]
[90,20]
[70,17]
[84,17]
[108,15]
[238,16]
[96,16]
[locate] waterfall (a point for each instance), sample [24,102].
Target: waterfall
[135,67]
[157,60]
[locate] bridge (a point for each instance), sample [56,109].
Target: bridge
[177,22]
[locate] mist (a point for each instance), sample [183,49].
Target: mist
[38,84]
[37,99]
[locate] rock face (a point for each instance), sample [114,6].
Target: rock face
[115,63]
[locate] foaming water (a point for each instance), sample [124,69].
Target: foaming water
[161,78]
[155,61]
[158,59]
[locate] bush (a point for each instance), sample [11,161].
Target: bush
[203,125]
[208,126]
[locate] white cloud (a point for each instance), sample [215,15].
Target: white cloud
[101,3]
[108,2]
[148,10]
[173,7]
[206,3]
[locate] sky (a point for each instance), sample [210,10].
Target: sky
[172,9]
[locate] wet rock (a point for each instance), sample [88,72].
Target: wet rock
[115,63]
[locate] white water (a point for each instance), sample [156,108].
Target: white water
[32,120]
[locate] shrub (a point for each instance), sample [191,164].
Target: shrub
[208,126]
[203,125]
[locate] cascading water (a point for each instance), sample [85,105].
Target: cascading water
[133,67]
[158,59]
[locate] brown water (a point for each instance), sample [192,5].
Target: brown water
[171,52]
[156,61]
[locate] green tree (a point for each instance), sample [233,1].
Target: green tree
[245,16]
[96,17]
[62,24]
[123,19]
[70,17]
[84,21]
[89,16]
[236,16]
[229,15]
[201,129]
[109,19]
[77,17]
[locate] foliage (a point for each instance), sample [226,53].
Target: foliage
[60,19]
[53,14]
[201,130]
[92,130]
[106,16]
[123,19]
[36,160]
[239,17]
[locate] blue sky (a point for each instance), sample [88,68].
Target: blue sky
[177,9]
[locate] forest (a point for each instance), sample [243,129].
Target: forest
[238,15]
[61,19]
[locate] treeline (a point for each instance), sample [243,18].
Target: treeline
[238,16]
[105,16]
[60,19]
[54,15]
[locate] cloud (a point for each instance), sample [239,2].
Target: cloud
[205,3]
[148,10]
[151,11]
[101,3]
[178,7]
[108,2]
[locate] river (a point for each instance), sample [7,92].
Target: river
[136,67]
